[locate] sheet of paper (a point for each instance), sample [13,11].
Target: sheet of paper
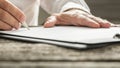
[69,33]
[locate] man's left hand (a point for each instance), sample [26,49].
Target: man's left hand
[76,18]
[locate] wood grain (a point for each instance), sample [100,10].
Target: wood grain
[59,65]
[15,54]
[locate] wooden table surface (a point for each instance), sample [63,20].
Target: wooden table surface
[16,54]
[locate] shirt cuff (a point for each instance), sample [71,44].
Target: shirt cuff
[72,5]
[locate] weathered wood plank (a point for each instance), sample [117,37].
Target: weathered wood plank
[14,54]
[20,51]
[59,65]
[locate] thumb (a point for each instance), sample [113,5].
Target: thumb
[51,22]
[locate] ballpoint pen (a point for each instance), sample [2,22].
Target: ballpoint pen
[116,36]
[25,25]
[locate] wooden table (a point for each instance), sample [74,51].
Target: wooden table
[16,54]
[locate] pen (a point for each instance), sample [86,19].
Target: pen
[116,36]
[25,25]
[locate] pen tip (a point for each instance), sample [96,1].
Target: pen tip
[28,28]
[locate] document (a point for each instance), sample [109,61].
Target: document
[67,34]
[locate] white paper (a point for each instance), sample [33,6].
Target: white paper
[69,33]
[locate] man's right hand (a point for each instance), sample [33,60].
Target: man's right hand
[10,16]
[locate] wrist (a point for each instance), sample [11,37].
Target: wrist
[76,9]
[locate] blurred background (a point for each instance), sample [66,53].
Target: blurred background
[107,9]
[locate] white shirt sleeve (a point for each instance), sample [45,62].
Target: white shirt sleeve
[31,7]
[56,6]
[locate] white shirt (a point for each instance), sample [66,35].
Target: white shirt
[31,7]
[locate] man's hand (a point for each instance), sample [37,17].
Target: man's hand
[10,16]
[77,18]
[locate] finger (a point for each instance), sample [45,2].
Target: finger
[103,23]
[106,24]
[13,10]
[51,21]
[79,20]
[7,18]
[4,26]
[85,21]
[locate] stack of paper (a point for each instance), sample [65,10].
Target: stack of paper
[66,34]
